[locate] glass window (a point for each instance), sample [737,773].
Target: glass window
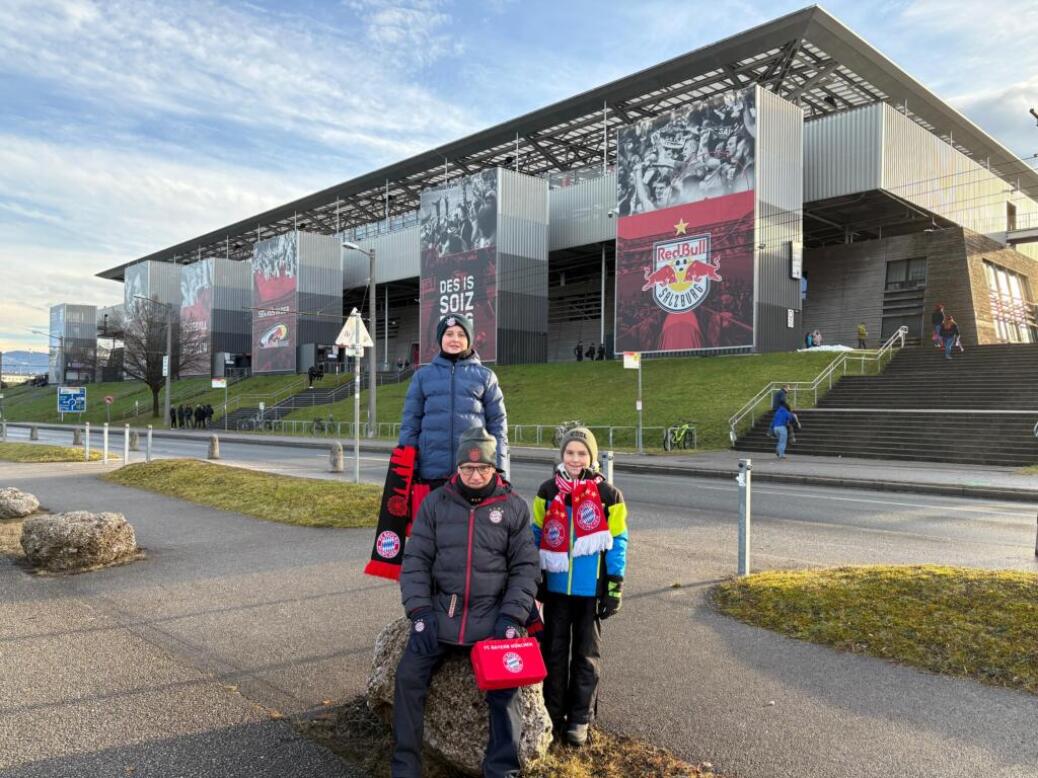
[1012,311]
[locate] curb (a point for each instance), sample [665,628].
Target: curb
[527,456]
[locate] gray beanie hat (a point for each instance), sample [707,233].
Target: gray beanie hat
[581,435]
[476,447]
[454,320]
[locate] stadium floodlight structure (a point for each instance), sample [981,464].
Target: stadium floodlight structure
[372,325]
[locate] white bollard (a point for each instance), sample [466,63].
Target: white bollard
[335,458]
[86,443]
[104,444]
[147,452]
[607,465]
[126,444]
[214,447]
[34,432]
[745,513]
[77,436]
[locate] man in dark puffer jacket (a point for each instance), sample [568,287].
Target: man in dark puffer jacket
[470,572]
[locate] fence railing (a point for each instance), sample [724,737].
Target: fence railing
[809,390]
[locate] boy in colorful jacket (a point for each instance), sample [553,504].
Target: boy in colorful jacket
[580,528]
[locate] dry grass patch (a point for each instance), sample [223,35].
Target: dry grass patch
[41,452]
[10,539]
[356,734]
[302,501]
[1032,470]
[980,624]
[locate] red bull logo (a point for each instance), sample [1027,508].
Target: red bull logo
[388,545]
[681,273]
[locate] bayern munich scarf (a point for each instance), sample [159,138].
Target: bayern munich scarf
[395,515]
[590,526]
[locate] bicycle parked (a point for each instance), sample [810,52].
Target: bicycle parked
[680,436]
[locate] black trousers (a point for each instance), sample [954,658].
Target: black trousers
[572,648]
[412,688]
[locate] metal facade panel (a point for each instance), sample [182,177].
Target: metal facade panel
[579,214]
[925,170]
[232,298]
[780,192]
[164,283]
[843,153]
[522,197]
[319,293]
[396,257]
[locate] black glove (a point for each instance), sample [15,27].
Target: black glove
[611,599]
[542,589]
[506,628]
[423,632]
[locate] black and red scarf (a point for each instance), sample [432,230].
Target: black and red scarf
[591,533]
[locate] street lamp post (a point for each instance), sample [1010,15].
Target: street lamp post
[372,358]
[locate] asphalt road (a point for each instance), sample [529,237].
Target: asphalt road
[284,615]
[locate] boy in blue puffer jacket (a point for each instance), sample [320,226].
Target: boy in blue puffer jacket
[580,527]
[448,396]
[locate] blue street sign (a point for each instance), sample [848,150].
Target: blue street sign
[71,399]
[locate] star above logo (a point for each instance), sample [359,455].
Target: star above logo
[681,227]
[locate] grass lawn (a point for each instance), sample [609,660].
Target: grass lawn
[1032,470]
[356,734]
[40,452]
[980,624]
[286,499]
[706,389]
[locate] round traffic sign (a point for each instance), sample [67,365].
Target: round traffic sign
[109,399]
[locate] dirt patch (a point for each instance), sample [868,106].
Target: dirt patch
[358,736]
[10,539]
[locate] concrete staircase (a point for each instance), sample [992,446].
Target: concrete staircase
[979,408]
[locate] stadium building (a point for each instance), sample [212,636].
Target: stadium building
[786,179]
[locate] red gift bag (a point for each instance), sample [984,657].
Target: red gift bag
[507,664]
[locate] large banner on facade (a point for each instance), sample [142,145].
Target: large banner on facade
[685,237]
[134,286]
[196,312]
[459,260]
[275,269]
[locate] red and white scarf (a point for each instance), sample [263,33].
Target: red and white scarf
[591,533]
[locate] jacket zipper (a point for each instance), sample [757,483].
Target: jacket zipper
[451,437]
[468,579]
[569,551]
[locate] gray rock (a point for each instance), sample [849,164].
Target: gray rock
[456,726]
[76,540]
[15,504]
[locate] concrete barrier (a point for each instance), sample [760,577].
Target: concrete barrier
[214,447]
[34,433]
[77,436]
[335,458]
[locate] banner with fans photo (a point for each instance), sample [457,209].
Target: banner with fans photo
[275,270]
[196,313]
[685,236]
[459,260]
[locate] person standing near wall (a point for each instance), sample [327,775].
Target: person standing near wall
[578,351]
[949,334]
[862,334]
[936,320]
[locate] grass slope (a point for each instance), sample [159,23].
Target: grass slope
[706,389]
[981,624]
[286,499]
[39,452]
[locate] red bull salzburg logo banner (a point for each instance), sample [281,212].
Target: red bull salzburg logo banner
[685,238]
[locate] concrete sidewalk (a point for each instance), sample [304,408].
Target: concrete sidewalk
[975,481]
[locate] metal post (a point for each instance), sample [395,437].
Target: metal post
[147,450]
[372,362]
[126,444]
[356,404]
[385,331]
[86,443]
[169,358]
[641,449]
[225,404]
[507,466]
[104,444]
[607,465]
[745,511]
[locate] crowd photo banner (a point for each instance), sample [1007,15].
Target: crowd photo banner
[275,268]
[196,311]
[459,260]
[685,235]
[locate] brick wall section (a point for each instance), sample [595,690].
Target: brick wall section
[948,282]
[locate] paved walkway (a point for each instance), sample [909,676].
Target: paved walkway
[171,666]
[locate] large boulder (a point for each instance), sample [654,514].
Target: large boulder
[456,728]
[77,540]
[16,504]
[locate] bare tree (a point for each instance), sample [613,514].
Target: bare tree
[144,344]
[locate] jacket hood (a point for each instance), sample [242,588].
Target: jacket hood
[501,488]
[471,359]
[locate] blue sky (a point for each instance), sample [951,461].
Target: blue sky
[128,126]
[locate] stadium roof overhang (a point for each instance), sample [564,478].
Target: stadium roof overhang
[807,57]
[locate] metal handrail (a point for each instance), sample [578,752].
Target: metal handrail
[893,343]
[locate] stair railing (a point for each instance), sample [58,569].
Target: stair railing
[825,381]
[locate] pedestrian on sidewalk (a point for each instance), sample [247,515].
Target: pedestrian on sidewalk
[589,355]
[600,354]
[781,398]
[936,320]
[446,397]
[457,592]
[816,338]
[862,334]
[580,526]
[180,416]
[780,429]
[949,332]
[808,341]
[208,416]
[172,418]
[578,350]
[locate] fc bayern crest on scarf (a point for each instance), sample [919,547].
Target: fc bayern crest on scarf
[589,516]
[681,273]
[388,544]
